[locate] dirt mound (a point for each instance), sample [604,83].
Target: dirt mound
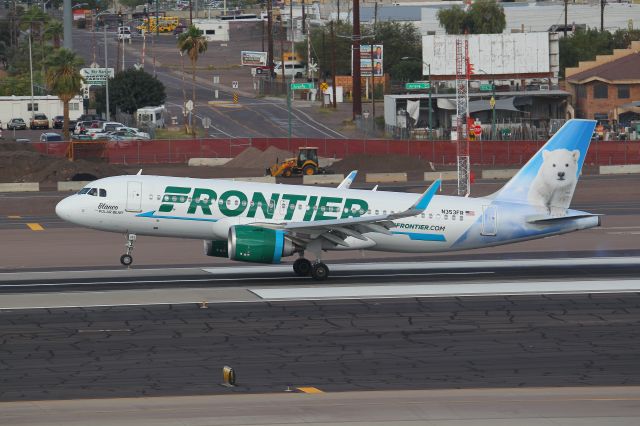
[13,146]
[253,158]
[25,165]
[380,164]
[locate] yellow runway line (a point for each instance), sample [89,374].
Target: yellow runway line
[35,226]
[310,390]
[14,217]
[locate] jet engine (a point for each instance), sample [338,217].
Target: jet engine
[256,244]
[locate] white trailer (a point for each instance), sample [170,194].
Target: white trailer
[20,107]
[213,29]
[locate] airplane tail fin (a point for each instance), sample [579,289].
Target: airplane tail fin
[549,178]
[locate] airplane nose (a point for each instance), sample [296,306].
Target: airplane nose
[63,209]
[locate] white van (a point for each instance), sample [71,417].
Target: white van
[291,69]
[150,116]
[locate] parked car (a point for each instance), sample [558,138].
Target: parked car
[72,125]
[51,137]
[103,131]
[134,131]
[58,122]
[39,121]
[16,124]
[128,135]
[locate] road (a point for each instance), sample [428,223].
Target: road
[251,117]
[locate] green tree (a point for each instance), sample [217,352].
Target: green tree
[398,40]
[483,17]
[586,45]
[64,80]
[54,31]
[194,44]
[132,89]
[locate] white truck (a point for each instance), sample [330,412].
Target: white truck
[150,116]
[20,107]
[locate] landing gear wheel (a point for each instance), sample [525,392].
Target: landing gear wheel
[126,259]
[320,271]
[302,267]
[309,170]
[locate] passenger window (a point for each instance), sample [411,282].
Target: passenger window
[461,218]
[430,215]
[103,192]
[93,192]
[422,215]
[446,217]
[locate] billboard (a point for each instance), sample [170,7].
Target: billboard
[518,53]
[253,59]
[367,63]
[96,76]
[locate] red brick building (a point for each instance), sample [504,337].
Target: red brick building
[607,89]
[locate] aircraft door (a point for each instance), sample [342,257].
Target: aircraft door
[134,196]
[489,220]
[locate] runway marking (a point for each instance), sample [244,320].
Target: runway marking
[35,226]
[310,390]
[14,217]
[196,280]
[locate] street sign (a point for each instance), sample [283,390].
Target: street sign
[301,86]
[486,87]
[234,84]
[492,102]
[416,86]
[189,105]
[206,122]
[216,79]
[324,86]
[477,129]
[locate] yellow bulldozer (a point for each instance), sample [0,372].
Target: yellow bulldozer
[306,163]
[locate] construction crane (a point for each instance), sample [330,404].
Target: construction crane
[463,72]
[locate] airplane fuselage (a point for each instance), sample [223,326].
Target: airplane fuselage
[205,208]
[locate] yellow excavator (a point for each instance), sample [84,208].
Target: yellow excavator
[306,163]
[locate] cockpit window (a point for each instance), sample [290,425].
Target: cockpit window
[103,192]
[93,191]
[84,191]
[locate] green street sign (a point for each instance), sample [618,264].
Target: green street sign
[301,86]
[486,87]
[416,86]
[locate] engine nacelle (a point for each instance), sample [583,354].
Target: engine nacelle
[255,244]
[216,248]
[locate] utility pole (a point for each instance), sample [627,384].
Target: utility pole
[67,15]
[190,12]
[566,2]
[355,78]
[106,66]
[158,24]
[373,77]
[333,65]
[270,37]
[603,3]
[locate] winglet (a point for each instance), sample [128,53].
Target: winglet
[346,183]
[421,203]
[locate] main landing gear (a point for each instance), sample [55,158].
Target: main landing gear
[318,270]
[126,259]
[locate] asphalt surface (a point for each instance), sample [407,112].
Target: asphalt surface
[439,272]
[435,343]
[251,117]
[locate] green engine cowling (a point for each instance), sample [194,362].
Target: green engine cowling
[255,244]
[216,248]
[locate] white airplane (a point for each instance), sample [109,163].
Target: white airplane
[257,222]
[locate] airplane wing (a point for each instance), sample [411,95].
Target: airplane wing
[346,183]
[337,230]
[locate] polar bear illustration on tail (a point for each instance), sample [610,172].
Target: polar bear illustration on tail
[553,186]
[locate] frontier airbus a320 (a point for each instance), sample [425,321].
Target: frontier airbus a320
[255,222]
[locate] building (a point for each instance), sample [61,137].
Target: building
[21,107]
[607,89]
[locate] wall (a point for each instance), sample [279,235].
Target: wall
[588,106]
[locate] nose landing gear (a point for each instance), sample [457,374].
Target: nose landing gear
[126,259]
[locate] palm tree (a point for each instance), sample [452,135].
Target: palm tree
[54,31]
[194,44]
[64,79]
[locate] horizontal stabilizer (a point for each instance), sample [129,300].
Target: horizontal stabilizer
[542,220]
